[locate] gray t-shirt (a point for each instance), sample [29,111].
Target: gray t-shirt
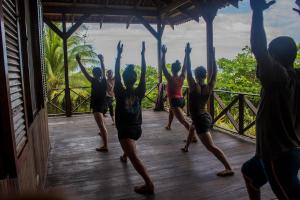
[278,117]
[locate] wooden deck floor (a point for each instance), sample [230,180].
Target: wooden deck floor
[75,166]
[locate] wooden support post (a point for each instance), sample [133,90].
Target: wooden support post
[241,114]
[64,35]
[209,16]
[212,105]
[66,69]
[159,106]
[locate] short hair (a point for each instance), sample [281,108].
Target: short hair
[176,66]
[97,72]
[129,75]
[283,49]
[200,72]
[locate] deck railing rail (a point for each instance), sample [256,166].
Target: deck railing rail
[231,111]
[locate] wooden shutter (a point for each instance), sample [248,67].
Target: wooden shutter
[12,39]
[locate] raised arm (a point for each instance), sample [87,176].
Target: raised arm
[258,34]
[163,63]
[191,81]
[118,81]
[85,73]
[213,77]
[297,9]
[183,71]
[141,89]
[101,58]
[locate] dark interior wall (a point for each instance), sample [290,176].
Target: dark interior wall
[27,170]
[7,157]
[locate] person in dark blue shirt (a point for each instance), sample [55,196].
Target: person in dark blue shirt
[98,93]
[129,115]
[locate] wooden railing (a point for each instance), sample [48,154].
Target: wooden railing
[80,99]
[234,111]
[231,111]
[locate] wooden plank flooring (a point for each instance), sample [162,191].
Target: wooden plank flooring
[75,166]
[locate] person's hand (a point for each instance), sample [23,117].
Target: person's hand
[78,58]
[261,5]
[164,49]
[120,48]
[295,9]
[143,48]
[101,58]
[188,48]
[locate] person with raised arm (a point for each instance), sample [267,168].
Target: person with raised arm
[174,91]
[202,122]
[98,93]
[277,158]
[110,79]
[129,115]
[297,9]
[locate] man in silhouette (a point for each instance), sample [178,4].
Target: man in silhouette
[277,158]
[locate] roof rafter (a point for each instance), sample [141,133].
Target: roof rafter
[98,10]
[130,19]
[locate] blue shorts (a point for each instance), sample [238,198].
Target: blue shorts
[281,173]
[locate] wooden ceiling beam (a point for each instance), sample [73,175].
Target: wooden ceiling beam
[94,5]
[173,6]
[189,14]
[53,27]
[101,21]
[138,3]
[100,11]
[148,26]
[129,21]
[76,25]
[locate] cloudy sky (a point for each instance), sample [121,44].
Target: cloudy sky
[231,34]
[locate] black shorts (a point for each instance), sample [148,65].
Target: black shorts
[131,132]
[108,100]
[177,102]
[202,122]
[99,108]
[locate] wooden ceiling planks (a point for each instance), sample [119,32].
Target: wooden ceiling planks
[172,12]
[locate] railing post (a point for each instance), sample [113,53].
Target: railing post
[241,114]
[187,101]
[159,105]
[66,69]
[212,105]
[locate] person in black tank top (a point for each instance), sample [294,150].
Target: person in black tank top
[199,93]
[129,115]
[98,93]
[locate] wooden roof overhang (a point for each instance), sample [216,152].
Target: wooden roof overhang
[169,12]
[146,12]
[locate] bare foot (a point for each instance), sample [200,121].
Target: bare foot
[102,149]
[225,173]
[123,159]
[184,149]
[144,189]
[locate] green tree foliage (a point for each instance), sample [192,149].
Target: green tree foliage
[55,65]
[238,74]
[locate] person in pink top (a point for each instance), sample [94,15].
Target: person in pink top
[174,91]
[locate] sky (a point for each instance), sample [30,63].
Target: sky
[231,34]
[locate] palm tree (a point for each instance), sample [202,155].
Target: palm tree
[55,65]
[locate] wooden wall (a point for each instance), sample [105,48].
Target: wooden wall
[22,167]
[32,164]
